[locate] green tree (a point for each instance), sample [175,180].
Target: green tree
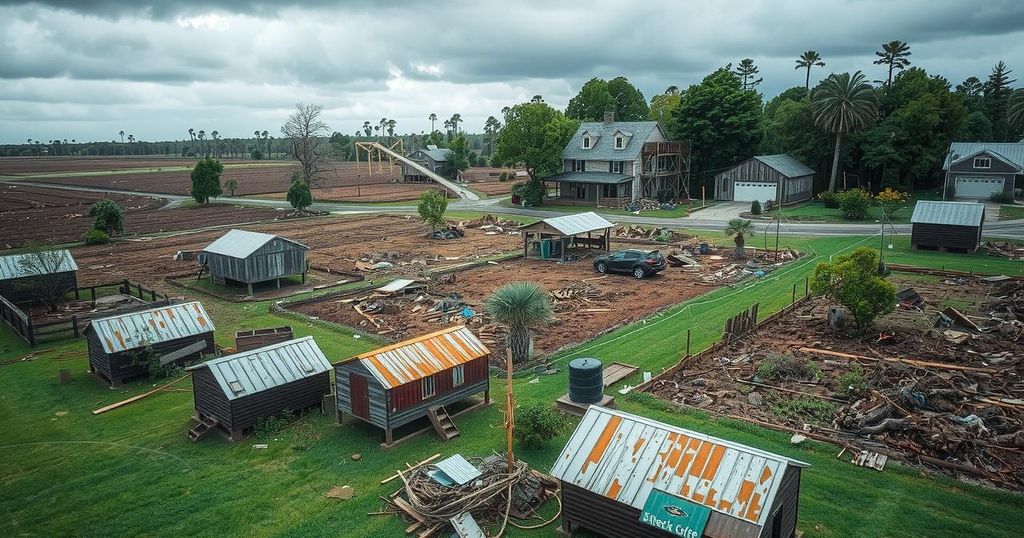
[852,280]
[431,207]
[841,104]
[997,92]
[206,180]
[535,135]
[663,104]
[893,54]
[1015,113]
[591,102]
[109,217]
[299,195]
[491,128]
[432,117]
[522,307]
[457,158]
[231,185]
[739,230]
[971,91]
[341,145]
[807,60]
[630,104]
[746,71]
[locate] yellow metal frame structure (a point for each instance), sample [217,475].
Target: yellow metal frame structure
[375,154]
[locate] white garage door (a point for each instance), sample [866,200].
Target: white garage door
[977,187]
[747,191]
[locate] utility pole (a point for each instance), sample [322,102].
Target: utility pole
[510,407]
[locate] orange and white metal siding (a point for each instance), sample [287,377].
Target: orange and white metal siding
[623,457]
[138,329]
[423,356]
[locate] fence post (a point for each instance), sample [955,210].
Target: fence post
[140,290]
[153,295]
[806,286]
[687,342]
[127,287]
[74,324]
[92,291]
[77,297]
[31,332]
[794,293]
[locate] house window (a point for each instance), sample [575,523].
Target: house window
[619,142]
[609,191]
[459,375]
[586,142]
[580,165]
[427,384]
[615,167]
[982,162]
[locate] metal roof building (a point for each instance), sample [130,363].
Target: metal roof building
[981,169]
[780,178]
[552,237]
[1012,152]
[20,265]
[18,270]
[234,392]
[947,225]
[398,384]
[615,462]
[252,257]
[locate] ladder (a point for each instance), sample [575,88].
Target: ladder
[201,430]
[442,422]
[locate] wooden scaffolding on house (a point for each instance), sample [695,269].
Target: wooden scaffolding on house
[665,172]
[374,154]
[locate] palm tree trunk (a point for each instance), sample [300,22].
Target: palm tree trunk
[835,162]
[519,343]
[807,81]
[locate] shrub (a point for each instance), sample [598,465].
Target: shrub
[537,424]
[503,176]
[828,198]
[231,185]
[256,155]
[1001,198]
[299,194]
[96,237]
[805,408]
[534,192]
[432,205]
[518,188]
[788,366]
[852,381]
[852,281]
[854,203]
[892,200]
[755,208]
[109,217]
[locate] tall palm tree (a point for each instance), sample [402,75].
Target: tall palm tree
[121,132]
[537,99]
[807,60]
[200,137]
[213,135]
[1015,114]
[266,139]
[843,103]
[367,129]
[894,54]
[131,141]
[456,120]
[739,230]
[391,129]
[432,117]
[520,306]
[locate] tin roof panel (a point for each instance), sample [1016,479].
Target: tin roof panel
[138,329]
[250,372]
[21,265]
[951,213]
[423,356]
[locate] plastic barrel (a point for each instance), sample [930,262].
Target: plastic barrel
[586,381]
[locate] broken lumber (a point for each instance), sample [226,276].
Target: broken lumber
[420,464]
[136,397]
[783,389]
[912,362]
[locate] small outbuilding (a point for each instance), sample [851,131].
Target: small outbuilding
[235,392]
[780,178]
[253,257]
[34,276]
[626,475]
[432,158]
[955,226]
[397,384]
[552,238]
[981,169]
[120,346]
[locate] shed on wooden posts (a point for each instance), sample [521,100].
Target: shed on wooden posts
[121,347]
[233,393]
[253,257]
[626,475]
[397,384]
[551,238]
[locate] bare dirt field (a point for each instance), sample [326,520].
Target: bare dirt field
[16,166]
[946,396]
[60,216]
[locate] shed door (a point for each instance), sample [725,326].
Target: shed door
[748,191]
[978,187]
[360,395]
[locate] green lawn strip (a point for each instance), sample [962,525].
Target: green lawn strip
[1008,212]
[979,262]
[215,487]
[679,211]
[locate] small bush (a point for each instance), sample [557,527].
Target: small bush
[299,195]
[787,366]
[828,198]
[231,185]
[96,237]
[769,205]
[805,408]
[1001,198]
[755,208]
[537,423]
[503,176]
[109,217]
[854,203]
[256,155]
[852,382]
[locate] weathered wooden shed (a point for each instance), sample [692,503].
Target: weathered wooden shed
[394,385]
[21,275]
[233,393]
[953,226]
[766,177]
[120,345]
[432,158]
[626,475]
[252,257]
[551,238]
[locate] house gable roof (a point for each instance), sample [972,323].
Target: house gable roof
[603,147]
[138,329]
[11,266]
[949,213]
[423,356]
[437,154]
[579,223]
[1011,153]
[785,165]
[257,370]
[242,243]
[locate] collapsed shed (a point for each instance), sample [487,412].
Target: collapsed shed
[626,475]
[33,276]
[121,347]
[551,238]
[947,225]
[253,257]
[394,385]
[235,392]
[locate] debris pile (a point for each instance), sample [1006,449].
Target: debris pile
[648,204]
[490,220]
[659,234]
[451,232]
[1004,250]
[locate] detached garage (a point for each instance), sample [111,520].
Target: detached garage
[945,226]
[780,178]
[977,170]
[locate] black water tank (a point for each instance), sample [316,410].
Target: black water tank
[586,381]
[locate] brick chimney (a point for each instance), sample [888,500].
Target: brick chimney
[609,117]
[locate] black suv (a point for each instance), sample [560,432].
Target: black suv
[639,263]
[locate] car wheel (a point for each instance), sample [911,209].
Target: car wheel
[639,272]
[602,268]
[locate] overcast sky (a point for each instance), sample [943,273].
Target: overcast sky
[87,69]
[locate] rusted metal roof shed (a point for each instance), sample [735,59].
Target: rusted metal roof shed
[424,356]
[615,460]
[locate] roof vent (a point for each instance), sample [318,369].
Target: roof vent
[236,387]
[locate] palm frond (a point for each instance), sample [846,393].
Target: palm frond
[844,103]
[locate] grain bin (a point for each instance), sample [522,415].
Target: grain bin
[586,381]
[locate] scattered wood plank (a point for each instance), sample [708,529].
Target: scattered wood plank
[912,362]
[420,464]
[793,391]
[136,398]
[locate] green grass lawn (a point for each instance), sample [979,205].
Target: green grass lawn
[679,211]
[1008,212]
[133,472]
[815,211]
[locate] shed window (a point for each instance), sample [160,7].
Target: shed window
[619,142]
[579,165]
[427,385]
[459,375]
[586,142]
[236,387]
[982,162]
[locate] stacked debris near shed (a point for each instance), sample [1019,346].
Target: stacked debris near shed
[473,492]
[934,385]
[660,234]
[649,204]
[493,225]
[1004,250]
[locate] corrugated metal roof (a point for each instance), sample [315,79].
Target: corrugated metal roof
[952,213]
[1012,152]
[11,266]
[250,372]
[579,223]
[241,243]
[137,329]
[603,178]
[420,357]
[603,148]
[785,165]
[624,457]
[396,285]
[439,155]
[458,469]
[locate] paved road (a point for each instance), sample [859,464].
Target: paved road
[705,219]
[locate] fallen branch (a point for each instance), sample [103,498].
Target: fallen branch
[136,398]
[773,387]
[420,464]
